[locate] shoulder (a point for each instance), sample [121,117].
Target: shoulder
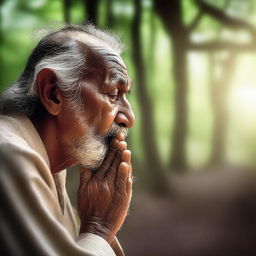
[20,143]
[19,161]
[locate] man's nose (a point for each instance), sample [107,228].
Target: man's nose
[125,118]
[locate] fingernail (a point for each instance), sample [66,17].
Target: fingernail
[122,145]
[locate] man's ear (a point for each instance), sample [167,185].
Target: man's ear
[48,91]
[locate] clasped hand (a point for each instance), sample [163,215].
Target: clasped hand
[104,195]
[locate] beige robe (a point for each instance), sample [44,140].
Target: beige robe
[36,216]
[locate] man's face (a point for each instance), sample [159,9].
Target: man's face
[105,109]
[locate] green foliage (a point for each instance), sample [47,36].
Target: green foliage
[189,11]
[77,12]
[22,18]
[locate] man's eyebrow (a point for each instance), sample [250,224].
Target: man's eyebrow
[122,81]
[127,83]
[119,78]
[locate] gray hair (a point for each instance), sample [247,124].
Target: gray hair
[64,58]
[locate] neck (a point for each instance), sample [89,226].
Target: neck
[52,138]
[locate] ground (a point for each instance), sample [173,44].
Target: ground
[205,213]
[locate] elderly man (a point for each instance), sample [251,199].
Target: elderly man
[68,107]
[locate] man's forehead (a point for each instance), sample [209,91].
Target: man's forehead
[116,68]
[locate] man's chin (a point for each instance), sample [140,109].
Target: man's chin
[92,164]
[90,152]
[91,167]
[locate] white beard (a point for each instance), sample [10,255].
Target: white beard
[89,150]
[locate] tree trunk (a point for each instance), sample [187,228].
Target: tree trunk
[219,91]
[109,14]
[152,44]
[91,7]
[171,14]
[66,10]
[178,156]
[153,168]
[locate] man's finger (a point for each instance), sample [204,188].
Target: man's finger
[108,160]
[122,145]
[129,183]
[122,176]
[122,135]
[126,156]
[112,172]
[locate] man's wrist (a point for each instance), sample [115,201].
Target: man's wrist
[96,226]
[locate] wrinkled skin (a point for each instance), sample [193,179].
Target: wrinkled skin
[104,197]
[104,194]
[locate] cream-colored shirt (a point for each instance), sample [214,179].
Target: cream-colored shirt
[36,216]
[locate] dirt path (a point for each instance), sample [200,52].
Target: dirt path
[205,214]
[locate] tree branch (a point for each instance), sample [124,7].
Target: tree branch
[222,45]
[225,19]
[195,22]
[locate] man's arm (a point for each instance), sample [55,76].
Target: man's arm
[28,223]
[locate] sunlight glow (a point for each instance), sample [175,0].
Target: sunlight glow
[242,97]
[243,100]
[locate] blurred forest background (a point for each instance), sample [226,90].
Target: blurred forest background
[193,66]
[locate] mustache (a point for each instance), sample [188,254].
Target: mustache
[116,129]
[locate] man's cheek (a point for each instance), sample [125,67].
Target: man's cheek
[107,121]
